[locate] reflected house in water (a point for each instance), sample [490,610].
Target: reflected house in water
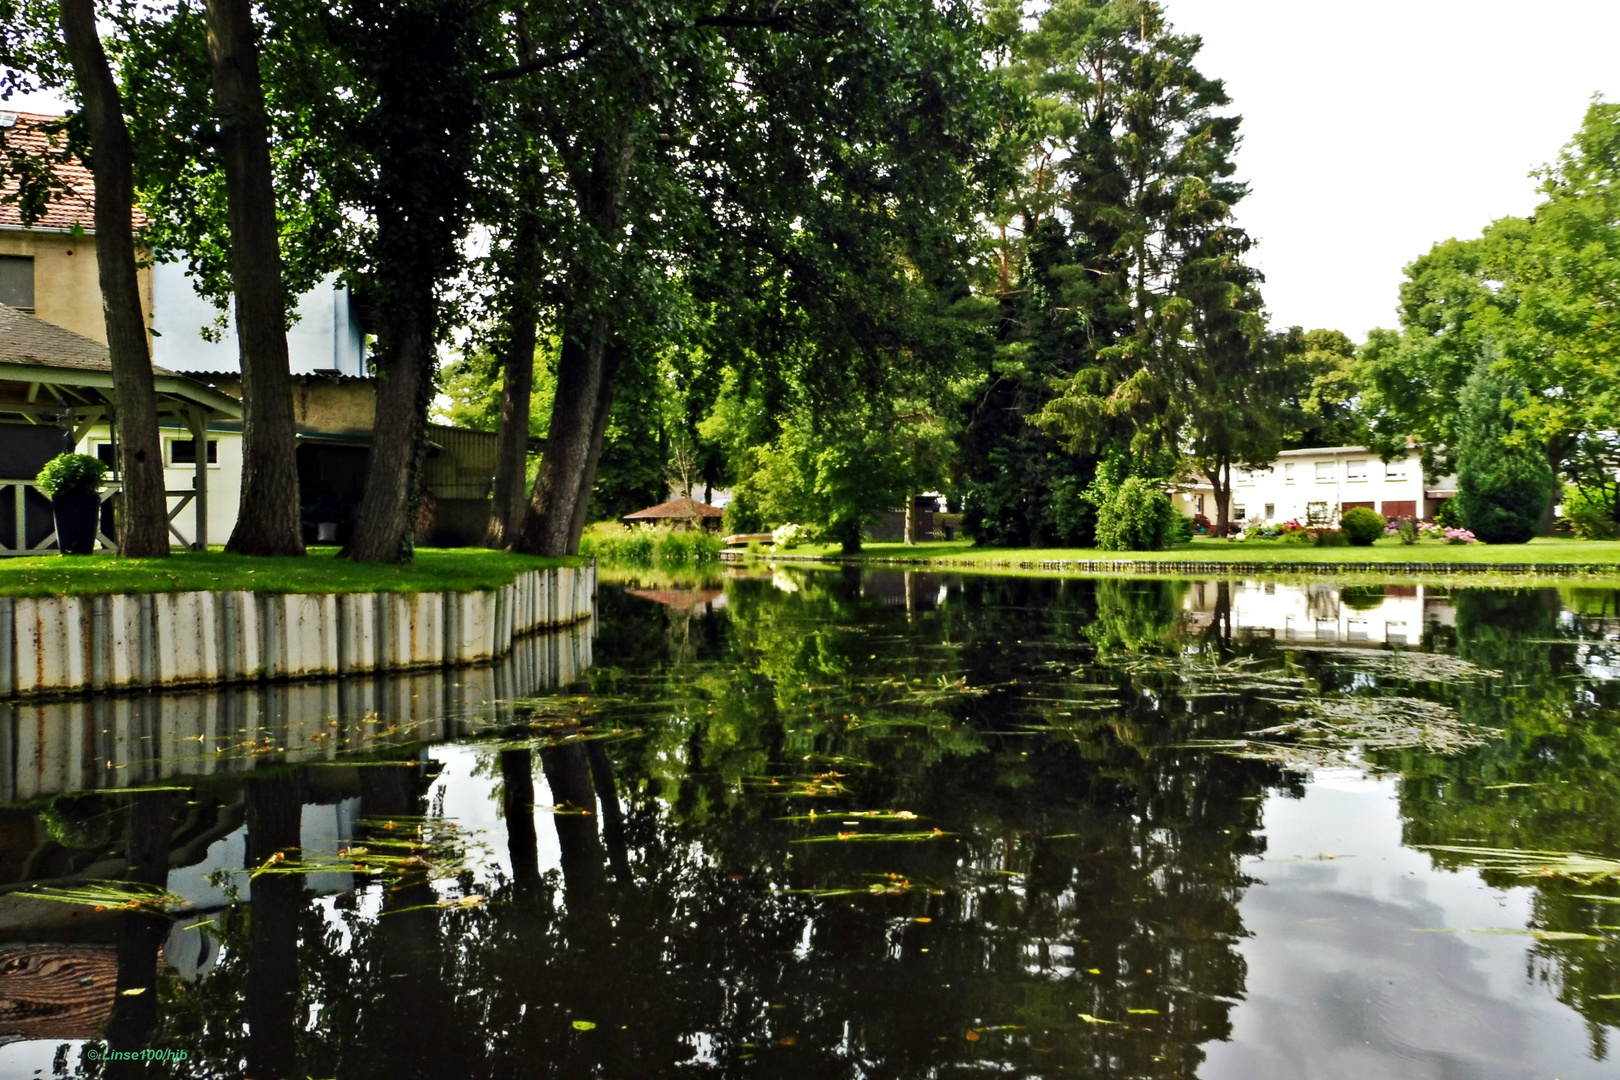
[1320,612]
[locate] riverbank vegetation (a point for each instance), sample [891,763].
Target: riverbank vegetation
[1544,551]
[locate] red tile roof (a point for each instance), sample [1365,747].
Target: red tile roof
[78,208]
[676,508]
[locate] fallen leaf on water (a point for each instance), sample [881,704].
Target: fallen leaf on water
[973,1036]
[787,1040]
[583,1025]
[1143,1012]
[1088,1018]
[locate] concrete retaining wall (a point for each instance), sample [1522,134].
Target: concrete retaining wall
[71,644]
[108,742]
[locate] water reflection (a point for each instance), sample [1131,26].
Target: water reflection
[885,825]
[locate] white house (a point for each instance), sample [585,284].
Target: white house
[1321,483]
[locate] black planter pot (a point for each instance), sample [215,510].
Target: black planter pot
[76,521]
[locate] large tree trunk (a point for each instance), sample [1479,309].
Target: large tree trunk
[385,525]
[1221,481]
[587,478]
[1549,512]
[143,520]
[512,442]
[548,522]
[268,520]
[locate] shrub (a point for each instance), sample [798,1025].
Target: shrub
[1590,517]
[1135,516]
[1181,529]
[69,474]
[1502,486]
[1362,597]
[1362,526]
[1200,523]
[1329,538]
[1407,530]
[790,536]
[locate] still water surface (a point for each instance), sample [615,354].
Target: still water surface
[820,824]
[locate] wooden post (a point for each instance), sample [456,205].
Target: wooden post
[199,437]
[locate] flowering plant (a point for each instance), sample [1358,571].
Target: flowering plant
[1460,536]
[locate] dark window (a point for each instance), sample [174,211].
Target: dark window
[17,281]
[104,451]
[184,451]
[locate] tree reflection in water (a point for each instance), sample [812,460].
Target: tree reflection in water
[682,913]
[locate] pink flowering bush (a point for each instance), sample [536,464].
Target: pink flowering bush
[1460,536]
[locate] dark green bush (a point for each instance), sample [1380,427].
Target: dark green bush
[66,474]
[1362,597]
[1181,529]
[1502,484]
[1362,526]
[1135,516]
[1329,538]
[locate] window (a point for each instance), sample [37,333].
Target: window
[1288,473]
[1245,478]
[1238,513]
[1324,472]
[1271,511]
[1317,514]
[17,281]
[184,451]
[1355,472]
[1394,470]
[104,452]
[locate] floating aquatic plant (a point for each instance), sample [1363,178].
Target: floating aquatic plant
[860,837]
[1575,865]
[113,896]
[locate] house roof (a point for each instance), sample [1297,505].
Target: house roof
[682,507]
[35,351]
[75,209]
[25,339]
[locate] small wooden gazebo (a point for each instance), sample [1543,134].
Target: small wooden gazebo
[57,385]
[682,511]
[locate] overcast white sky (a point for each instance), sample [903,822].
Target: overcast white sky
[1374,128]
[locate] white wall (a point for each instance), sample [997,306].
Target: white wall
[224,480]
[325,337]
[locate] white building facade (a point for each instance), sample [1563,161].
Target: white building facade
[326,338]
[1317,485]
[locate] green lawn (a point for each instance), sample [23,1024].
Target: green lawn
[1545,551]
[321,571]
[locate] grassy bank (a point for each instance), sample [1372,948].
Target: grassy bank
[321,571]
[1554,553]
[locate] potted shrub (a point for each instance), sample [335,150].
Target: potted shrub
[72,482]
